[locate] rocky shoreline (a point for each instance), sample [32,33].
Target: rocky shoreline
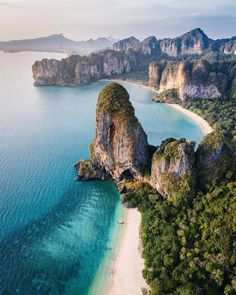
[120,150]
[202,123]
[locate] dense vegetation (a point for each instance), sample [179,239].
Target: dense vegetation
[176,185]
[136,76]
[189,248]
[220,114]
[114,99]
[168,96]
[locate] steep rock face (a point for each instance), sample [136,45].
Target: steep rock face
[82,70]
[225,46]
[86,170]
[193,42]
[115,63]
[193,80]
[55,72]
[127,44]
[169,46]
[89,69]
[120,147]
[150,46]
[172,172]
[130,58]
[154,70]
[174,76]
[198,79]
[230,47]
[213,158]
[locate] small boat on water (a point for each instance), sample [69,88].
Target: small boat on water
[120,221]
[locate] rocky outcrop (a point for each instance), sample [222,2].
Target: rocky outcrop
[193,42]
[150,46]
[176,169]
[82,70]
[130,58]
[127,44]
[213,159]
[120,150]
[87,170]
[120,147]
[229,47]
[154,73]
[225,46]
[88,69]
[172,170]
[198,79]
[55,72]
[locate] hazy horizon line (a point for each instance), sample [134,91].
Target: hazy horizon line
[110,37]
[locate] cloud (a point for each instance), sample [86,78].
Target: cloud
[5,4]
[82,19]
[216,18]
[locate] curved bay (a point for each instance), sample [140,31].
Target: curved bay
[54,232]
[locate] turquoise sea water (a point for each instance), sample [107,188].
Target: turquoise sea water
[55,232]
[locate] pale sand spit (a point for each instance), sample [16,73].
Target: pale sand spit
[127,268]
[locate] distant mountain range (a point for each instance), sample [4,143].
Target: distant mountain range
[195,42]
[57,43]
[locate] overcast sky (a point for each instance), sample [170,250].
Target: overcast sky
[84,19]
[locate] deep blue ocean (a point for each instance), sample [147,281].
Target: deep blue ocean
[55,232]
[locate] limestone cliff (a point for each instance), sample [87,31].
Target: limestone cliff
[127,44]
[172,170]
[120,147]
[150,46]
[55,72]
[213,159]
[225,46]
[129,58]
[154,73]
[193,42]
[229,47]
[177,169]
[198,79]
[120,150]
[82,70]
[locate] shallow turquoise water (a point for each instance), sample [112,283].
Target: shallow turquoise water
[55,232]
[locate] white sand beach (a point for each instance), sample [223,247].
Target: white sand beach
[127,268]
[202,123]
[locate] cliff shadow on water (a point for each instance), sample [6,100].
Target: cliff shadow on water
[61,252]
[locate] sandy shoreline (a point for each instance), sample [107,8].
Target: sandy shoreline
[202,123]
[127,268]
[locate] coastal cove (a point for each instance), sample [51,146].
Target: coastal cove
[57,234]
[203,124]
